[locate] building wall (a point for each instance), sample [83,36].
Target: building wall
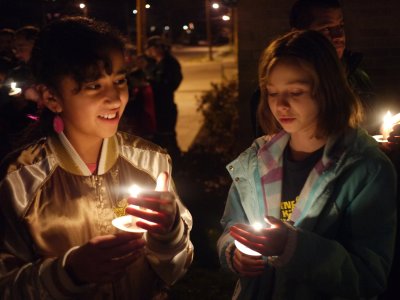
[372,27]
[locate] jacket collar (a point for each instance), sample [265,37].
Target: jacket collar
[270,158]
[70,160]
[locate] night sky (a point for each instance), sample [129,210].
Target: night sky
[174,13]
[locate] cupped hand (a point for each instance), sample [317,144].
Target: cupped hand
[267,241]
[104,258]
[157,209]
[246,265]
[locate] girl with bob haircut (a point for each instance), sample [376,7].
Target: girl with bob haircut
[60,194]
[315,197]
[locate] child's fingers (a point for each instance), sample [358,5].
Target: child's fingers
[162,182]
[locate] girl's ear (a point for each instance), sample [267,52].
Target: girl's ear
[50,99]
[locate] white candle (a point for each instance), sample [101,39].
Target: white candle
[246,250]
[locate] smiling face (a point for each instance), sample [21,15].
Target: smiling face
[329,21]
[93,112]
[289,93]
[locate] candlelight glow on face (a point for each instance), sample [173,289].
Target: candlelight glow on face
[246,250]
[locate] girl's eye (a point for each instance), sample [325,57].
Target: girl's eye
[296,94]
[121,81]
[271,95]
[93,86]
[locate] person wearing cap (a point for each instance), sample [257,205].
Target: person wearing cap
[165,79]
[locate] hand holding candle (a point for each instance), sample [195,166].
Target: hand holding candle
[266,241]
[156,209]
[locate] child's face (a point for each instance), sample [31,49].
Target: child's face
[23,49]
[94,112]
[290,98]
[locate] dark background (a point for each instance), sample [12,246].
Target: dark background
[172,13]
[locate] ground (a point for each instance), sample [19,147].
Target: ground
[203,184]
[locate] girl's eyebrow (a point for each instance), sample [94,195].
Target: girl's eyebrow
[122,71]
[295,81]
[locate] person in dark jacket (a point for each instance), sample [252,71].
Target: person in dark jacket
[326,17]
[165,78]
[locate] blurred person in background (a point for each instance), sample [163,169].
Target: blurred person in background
[7,36]
[165,78]
[139,115]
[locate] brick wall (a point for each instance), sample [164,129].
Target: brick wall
[372,27]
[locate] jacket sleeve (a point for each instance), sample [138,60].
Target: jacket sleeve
[233,214]
[171,255]
[355,261]
[24,274]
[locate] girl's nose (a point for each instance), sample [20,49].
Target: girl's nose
[113,96]
[282,100]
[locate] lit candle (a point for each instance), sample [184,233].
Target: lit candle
[387,126]
[128,222]
[246,250]
[14,89]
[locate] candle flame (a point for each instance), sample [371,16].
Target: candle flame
[388,122]
[134,190]
[257,226]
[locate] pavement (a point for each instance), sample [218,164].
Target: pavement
[198,74]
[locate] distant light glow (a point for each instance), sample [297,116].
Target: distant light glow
[134,11]
[152,28]
[185,27]
[166,28]
[226,18]
[82,5]
[215,5]
[147,6]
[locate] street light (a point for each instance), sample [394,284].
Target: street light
[215,5]
[84,8]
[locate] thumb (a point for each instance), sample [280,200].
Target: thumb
[162,182]
[272,221]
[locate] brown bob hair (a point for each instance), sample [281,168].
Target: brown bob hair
[339,107]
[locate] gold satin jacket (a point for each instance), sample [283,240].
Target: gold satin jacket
[51,203]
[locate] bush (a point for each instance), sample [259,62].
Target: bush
[219,131]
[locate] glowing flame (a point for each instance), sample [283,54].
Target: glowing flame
[257,226]
[134,190]
[388,122]
[14,89]
[246,250]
